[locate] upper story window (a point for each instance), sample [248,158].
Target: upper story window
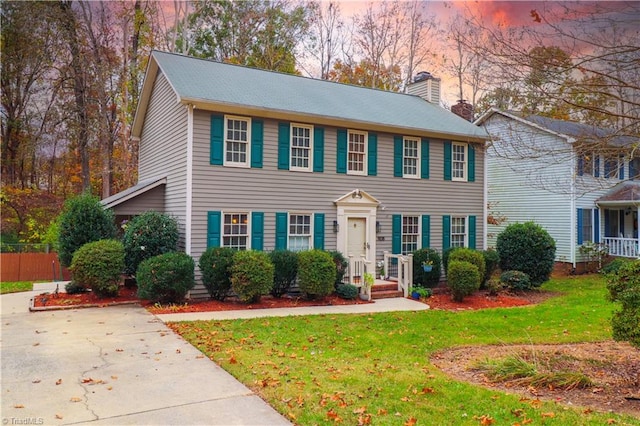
[357,153]
[236,143]
[458,231]
[410,158]
[588,164]
[612,167]
[634,168]
[410,233]
[235,231]
[299,232]
[301,147]
[459,161]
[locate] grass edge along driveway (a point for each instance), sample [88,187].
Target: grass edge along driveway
[375,369]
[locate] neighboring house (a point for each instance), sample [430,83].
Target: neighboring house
[253,159]
[575,180]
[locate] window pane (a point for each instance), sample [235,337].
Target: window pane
[236,142]
[410,234]
[458,164]
[458,231]
[587,225]
[299,232]
[357,152]
[235,231]
[410,157]
[300,147]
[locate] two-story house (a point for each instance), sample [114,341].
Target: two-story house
[577,181]
[252,159]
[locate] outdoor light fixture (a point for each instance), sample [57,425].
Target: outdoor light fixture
[378,227]
[336,227]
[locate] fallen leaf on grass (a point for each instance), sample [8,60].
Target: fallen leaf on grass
[382,412]
[411,422]
[611,421]
[58,382]
[549,415]
[427,390]
[18,406]
[334,416]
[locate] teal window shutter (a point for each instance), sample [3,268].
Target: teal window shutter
[318,149]
[596,165]
[579,223]
[257,231]
[426,231]
[581,165]
[216,156]
[397,156]
[596,225]
[284,139]
[256,143]
[472,232]
[446,232]
[447,161]
[471,164]
[281,231]
[424,159]
[214,220]
[621,167]
[318,231]
[372,161]
[396,234]
[341,159]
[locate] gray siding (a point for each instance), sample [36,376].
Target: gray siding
[150,200]
[163,148]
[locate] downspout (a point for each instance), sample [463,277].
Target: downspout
[189,188]
[485,207]
[572,212]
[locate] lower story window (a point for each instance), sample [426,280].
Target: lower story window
[235,232]
[587,225]
[410,234]
[299,232]
[458,231]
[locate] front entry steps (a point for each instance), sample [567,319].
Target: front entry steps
[385,290]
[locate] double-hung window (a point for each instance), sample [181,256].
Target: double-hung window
[235,231]
[612,167]
[458,231]
[301,147]
[299,232]
[237,141]
[588,164]
[357,153]
[411,158]
[586,227]
[634,168]
[459,161]
[410,234]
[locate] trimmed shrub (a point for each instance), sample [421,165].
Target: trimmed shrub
[98,266]
[73,287]
[420,277]
[83,220]
[527,247]
[251,275]
[624,288]
[316,273]
[215,265]
[491,262]
[516,280]
[615,265]
[148,235]
[166,278]
[445,257]
[341,266]
[472,256]
[347,291]
[463,279]
[494,287]
[285,263]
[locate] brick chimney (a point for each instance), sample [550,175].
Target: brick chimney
[463,109]
[426,86]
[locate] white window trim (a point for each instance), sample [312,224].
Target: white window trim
[465,167]
[311,229]
[365,167]
[591,224]
[222,234]
[419,158]
[247,162]
[311,142]
[466,230]
[402,234]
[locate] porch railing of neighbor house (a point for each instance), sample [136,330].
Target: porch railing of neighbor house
[623,247]
[357,266]
[399,268]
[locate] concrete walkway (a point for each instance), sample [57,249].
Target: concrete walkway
[121,365]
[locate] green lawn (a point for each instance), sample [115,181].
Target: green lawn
[15,286]
[375,368]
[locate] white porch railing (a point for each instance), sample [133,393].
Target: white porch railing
[400,270]
[357,267]
[622,247]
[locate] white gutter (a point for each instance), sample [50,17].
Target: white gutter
[189,188]
[485,208]
[572,213]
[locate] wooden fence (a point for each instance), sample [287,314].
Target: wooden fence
[31,267]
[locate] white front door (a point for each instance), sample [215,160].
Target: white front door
[356,237]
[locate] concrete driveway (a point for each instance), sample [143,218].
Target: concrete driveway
[116,365]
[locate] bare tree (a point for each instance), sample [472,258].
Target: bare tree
[327,36]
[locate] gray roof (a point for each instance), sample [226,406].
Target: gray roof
[204,81]
[624,192]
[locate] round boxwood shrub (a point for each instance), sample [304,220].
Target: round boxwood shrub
[491,262]
[251,275]
[516,280]
[341,266]
[166,278]
[347,291]
[472,256]
[420,277]
[215,265]
[316,273]
[98,266]
[445,257]
[285,263]
[463,279]
[624,288]
[527,247]
[83,220]
[148,235]
[614,265]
